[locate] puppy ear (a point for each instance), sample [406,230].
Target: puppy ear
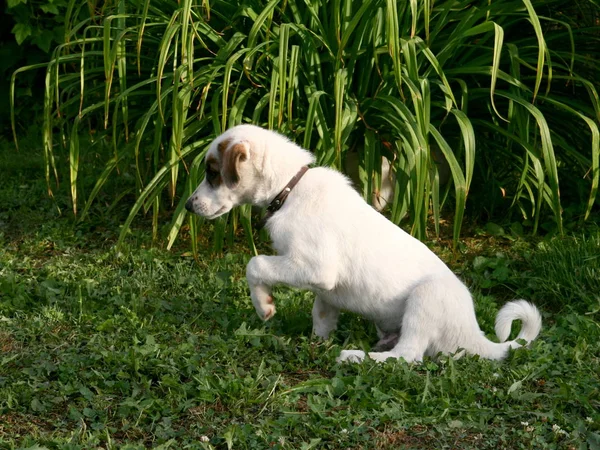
[233,156]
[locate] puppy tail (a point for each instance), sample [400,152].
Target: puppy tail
[527,313]
[531,325]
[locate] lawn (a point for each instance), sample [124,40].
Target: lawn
[144,347]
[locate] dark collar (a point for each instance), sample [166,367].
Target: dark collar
[278,201]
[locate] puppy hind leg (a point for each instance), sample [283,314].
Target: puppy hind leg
[387,341]
[418,328]
[411,346]
[325,318]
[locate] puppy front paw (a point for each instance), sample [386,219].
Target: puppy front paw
[262,301]
[267,310]
[353,356]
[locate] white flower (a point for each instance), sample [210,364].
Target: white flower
[281,440]
[527,427]
[344,431]
[496,375]
[589,420]
[559,430]
[204,439]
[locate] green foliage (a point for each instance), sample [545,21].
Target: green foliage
[565,273]
[496,87]
[491,271]
[39,22]
[29,30]
[150,349]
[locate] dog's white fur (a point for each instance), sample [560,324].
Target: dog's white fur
[330,241]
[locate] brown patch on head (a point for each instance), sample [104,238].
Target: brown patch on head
[269,300]
[212,163]
[232,157]
[213,171]
[322,314]
[223,145]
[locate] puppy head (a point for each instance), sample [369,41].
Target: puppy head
[228,179]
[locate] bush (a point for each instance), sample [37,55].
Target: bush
[497,87]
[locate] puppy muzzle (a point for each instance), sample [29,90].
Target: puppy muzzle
[189,205]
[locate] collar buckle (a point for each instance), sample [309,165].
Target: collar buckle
[278,201]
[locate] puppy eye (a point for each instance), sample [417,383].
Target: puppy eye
[211,175]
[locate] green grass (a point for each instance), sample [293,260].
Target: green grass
[580,286]
[149,348]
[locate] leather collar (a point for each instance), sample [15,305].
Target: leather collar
[278,201]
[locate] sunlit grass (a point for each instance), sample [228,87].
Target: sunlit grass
[148,348]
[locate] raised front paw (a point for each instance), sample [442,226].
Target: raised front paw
[262,301]
[267,310]
[354,356]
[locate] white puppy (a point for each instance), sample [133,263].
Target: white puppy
[330,241]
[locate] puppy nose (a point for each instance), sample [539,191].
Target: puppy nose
[189,205]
